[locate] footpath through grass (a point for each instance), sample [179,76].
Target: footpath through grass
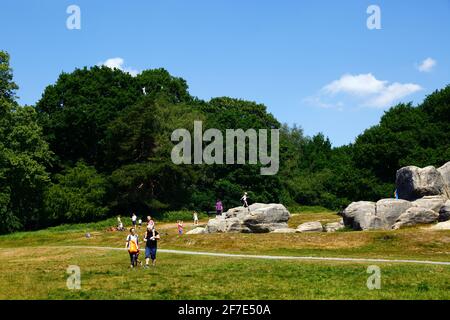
[31,270]
[417,243]
[37,273]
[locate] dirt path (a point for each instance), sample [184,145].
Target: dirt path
[249,256]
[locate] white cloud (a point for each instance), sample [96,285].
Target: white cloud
[393,93]
[364,89]
[361,84]
[427,65]
[118,63]
[114,63]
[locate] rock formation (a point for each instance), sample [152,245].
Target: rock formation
[423,198]
[334,226]
[257,218]
[444,212]
[314,226]
[441,226]
[414,183]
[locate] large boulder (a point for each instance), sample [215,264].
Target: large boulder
[441,226]
[198,230]
[388,210]
[423,195]
[222,224]
[414,183]
[265,217]
[414,216]
[445,173]
[257,218]
[444,212]
[333,226]
[235,225]
[284,230]
[434,203]
[216,225]
[361,216]
[314,226]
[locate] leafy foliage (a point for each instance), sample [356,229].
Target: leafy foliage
[78,196]
[24,156]
[98,144]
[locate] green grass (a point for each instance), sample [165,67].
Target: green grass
[30,269]
[28,274]
[308,209]
[173,216]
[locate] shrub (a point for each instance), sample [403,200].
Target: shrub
[172,216]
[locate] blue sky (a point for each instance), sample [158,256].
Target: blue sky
[314,63]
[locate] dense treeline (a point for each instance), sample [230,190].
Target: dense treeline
[96,145]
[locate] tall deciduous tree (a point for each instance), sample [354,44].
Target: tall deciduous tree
[24,155]
[7,85]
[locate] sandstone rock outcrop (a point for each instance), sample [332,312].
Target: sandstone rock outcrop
[444,212]
[284,230]
[314,226]
[441,226]
[416,215]
[333,226]
[198,230]
[389,210]
[359,215]
[257,218]
[423,198]
[414,182]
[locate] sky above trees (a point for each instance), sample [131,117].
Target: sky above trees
[314,63]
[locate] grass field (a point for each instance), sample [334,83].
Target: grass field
[33,264]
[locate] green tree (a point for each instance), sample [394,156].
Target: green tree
[24,155]
[160,82]
[78,196]
[7,85]
[77,109]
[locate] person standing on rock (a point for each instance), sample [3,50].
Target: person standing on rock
[244,201]
[219,207]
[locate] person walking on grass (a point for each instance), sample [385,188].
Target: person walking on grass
[219,207]
[133,220]
[132,245]
[151,237]
[195,214]
[180,227]
[245,201]
[119,224]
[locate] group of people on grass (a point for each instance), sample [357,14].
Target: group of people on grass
[151,236]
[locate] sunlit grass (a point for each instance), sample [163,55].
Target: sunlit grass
[38,273]
[32,267]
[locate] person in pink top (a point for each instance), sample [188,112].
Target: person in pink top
[219,207]
[180,227]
